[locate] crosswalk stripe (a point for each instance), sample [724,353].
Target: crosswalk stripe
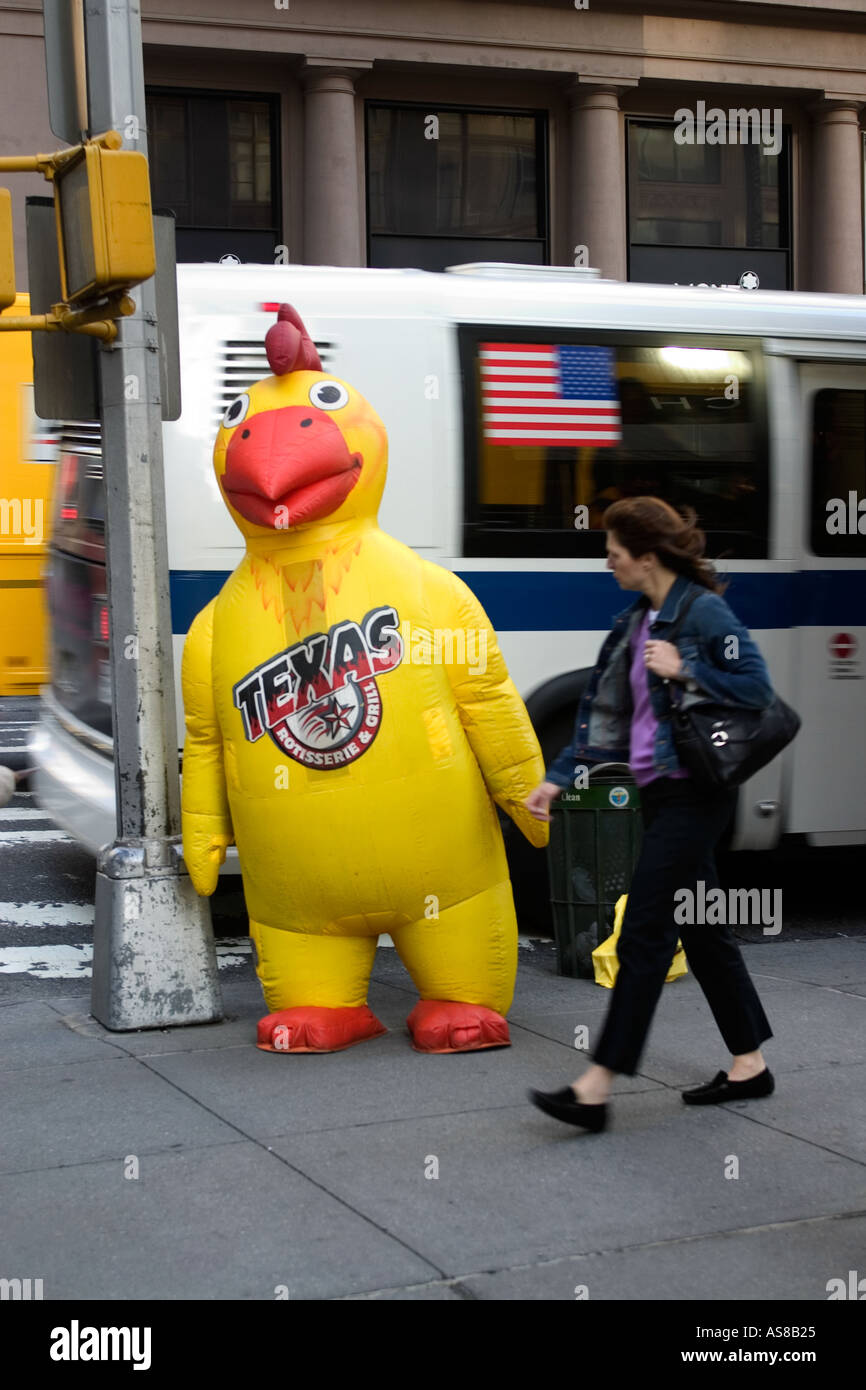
[46,915]
[75,962]
[24,837]
[47,962]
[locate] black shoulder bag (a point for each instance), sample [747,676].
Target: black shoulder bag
[722,745]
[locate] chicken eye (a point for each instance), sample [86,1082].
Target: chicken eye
[236,411]
[328,395]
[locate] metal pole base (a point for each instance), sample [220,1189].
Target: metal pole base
[154,961]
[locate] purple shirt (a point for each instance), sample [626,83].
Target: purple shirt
[643,722]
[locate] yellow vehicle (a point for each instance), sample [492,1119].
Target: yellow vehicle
[28,451]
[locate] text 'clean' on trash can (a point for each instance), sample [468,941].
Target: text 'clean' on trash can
[595,838]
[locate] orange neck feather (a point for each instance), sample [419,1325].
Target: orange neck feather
[297,591]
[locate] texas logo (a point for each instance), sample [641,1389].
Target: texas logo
[318,699]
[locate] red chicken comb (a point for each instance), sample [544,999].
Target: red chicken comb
[289,346]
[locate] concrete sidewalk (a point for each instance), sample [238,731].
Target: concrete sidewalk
[313,1176]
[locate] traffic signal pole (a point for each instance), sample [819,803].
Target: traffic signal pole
[154,962]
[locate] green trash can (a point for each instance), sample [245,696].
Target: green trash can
[595,838]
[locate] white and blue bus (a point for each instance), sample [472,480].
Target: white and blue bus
[749,406]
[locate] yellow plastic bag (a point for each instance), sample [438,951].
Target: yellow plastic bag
[606,963]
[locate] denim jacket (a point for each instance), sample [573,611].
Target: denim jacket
[712,667]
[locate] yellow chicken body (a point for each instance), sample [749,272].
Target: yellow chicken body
[349,718]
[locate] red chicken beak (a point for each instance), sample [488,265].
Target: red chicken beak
[288,466]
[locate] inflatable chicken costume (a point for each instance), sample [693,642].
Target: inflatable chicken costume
[352,769]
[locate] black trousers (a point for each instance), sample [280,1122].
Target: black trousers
[682,826]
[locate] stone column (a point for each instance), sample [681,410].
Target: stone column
[598,176]
[837,198]
[331,192]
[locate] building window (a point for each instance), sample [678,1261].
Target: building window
[214,163]
[659,159]
[250,154]
[446,185]
[559,425]
[708,213]
[839,473]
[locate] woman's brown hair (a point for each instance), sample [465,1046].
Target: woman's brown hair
[644,524]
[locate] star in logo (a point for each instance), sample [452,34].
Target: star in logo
[229,259]
[335,716]
[749,280]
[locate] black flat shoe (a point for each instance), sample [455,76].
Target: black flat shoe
[564,1105]
[720,1089]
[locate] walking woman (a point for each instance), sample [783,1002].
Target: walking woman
[624,717]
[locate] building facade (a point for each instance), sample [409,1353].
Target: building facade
[674,142]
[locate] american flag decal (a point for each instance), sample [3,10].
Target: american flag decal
[541,394]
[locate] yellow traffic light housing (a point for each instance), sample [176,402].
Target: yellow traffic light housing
[105,235]
[104,222]
[7,251]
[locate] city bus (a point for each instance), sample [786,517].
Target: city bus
[749,406]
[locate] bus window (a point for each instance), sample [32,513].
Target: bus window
[557,430]
[838,495]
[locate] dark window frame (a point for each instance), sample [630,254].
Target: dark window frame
[274,101]
[480,541]
[785,187]
[542,155]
